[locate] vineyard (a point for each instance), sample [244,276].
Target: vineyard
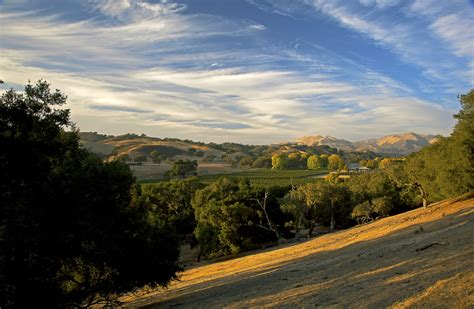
[264,177]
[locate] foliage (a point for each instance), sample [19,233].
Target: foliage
[336,163]
[324,158]
[331,203]
[227,222]
[170,201]
[375,195]
[182,169]
[262,162]
[444,169]
[333,178]
[294,204]
[464,130]
[316,162]
[246,162]
[297,160]
[279,161]
[69,235]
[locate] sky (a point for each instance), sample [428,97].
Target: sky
[248,71]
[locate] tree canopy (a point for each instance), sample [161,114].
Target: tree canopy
[71,233]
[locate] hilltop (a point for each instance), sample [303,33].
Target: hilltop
[401,144]
[421,258]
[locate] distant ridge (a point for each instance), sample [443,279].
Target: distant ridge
[319,140]
[133,145]
[402,144]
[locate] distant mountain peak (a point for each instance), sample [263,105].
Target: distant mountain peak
[403,143]
[319,140]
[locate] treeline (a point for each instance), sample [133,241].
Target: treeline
[232,215]
[333,162]
[75,230]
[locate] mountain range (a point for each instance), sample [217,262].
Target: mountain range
[401,144]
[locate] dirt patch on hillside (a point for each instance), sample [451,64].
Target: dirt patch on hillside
[422,258]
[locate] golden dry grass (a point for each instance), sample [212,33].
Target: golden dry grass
[422,258]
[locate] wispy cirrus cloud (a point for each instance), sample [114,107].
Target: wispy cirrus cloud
[381,4]
[408,37]
[152,67]
[135,9]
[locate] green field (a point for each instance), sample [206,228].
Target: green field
[264,177]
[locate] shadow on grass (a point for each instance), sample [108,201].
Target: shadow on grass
[372,273]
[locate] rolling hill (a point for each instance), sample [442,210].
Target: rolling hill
[401,144]
[134,146]
[418,259]
[319,140]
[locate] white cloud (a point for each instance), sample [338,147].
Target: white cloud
[381,4]
[135,9]
[438,44]
[453,23]
[121,77]
[258,27]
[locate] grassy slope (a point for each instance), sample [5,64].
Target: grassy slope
[388,263]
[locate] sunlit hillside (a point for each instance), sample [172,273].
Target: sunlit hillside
[421,258]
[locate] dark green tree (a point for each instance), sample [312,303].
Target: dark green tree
[227,218]
[245,162]
[294,204]
[262,162]
[331,203]
[375,195]
[444,169]
[170,201]
[182,169]
[69,234]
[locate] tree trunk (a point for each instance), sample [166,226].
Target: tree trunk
[298,226]
[311,229]
[333,220]
[423,196]
[264,208]
[198,258]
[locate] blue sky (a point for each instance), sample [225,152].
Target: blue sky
[251,71]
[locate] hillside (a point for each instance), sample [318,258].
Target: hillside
[135,146]
[421,258]
[156,154]
[401,144]
[318,140]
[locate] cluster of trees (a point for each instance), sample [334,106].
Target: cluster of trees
[297,160]
[232,215]
[444,169]
[72,228]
